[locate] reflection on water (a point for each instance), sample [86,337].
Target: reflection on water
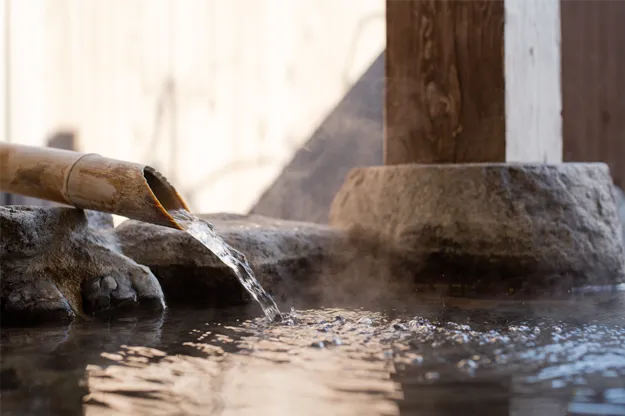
[442,357]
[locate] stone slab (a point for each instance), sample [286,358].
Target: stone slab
[489,228]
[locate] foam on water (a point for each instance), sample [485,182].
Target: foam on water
[203,232]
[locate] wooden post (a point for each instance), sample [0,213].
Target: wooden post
[593,84]
[448,88]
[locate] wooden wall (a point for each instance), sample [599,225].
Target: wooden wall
[217,95]
[593,83]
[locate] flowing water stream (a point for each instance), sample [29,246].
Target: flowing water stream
[203,232]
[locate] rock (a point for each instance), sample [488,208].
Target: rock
[286,256]
[489,228]
[60,262]
[620,206]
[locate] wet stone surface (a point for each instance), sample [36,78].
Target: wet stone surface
[56,263]
[59,263]
[287,257]
[444,357]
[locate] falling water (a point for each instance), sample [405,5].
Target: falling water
[203,232]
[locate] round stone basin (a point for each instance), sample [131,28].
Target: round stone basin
[442,356]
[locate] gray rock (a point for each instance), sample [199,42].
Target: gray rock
[620,206]
[489,228]
[60,262]
[286,256]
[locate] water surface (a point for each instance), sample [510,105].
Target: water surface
[442,357]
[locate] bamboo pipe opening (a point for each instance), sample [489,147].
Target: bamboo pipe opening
[163,191]
[164,194]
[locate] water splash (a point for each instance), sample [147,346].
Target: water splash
[204,232]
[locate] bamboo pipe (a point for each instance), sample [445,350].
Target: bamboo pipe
[89,181]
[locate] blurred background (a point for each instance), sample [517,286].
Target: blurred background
[255,106]
[218,95]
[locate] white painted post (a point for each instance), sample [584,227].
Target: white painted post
[532,77]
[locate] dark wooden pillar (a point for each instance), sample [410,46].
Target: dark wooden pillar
[473,81]
[593,83]
[444,96]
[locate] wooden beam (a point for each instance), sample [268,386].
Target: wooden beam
[447,85]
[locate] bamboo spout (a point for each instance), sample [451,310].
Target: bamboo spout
[89,181]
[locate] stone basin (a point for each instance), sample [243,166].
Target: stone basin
[491,228]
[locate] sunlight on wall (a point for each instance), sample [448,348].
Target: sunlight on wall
[216,94]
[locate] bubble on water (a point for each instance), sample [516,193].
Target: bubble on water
[466,365]
[558,384]
[417,360]
[289,320]
[337,341]
[610,373]
[365,321]
[460,327]
[518,328]
[557,329]
[400,327]
[318,344]
[537,330]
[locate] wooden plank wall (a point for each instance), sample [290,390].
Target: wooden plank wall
[593,83]
[215,99]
